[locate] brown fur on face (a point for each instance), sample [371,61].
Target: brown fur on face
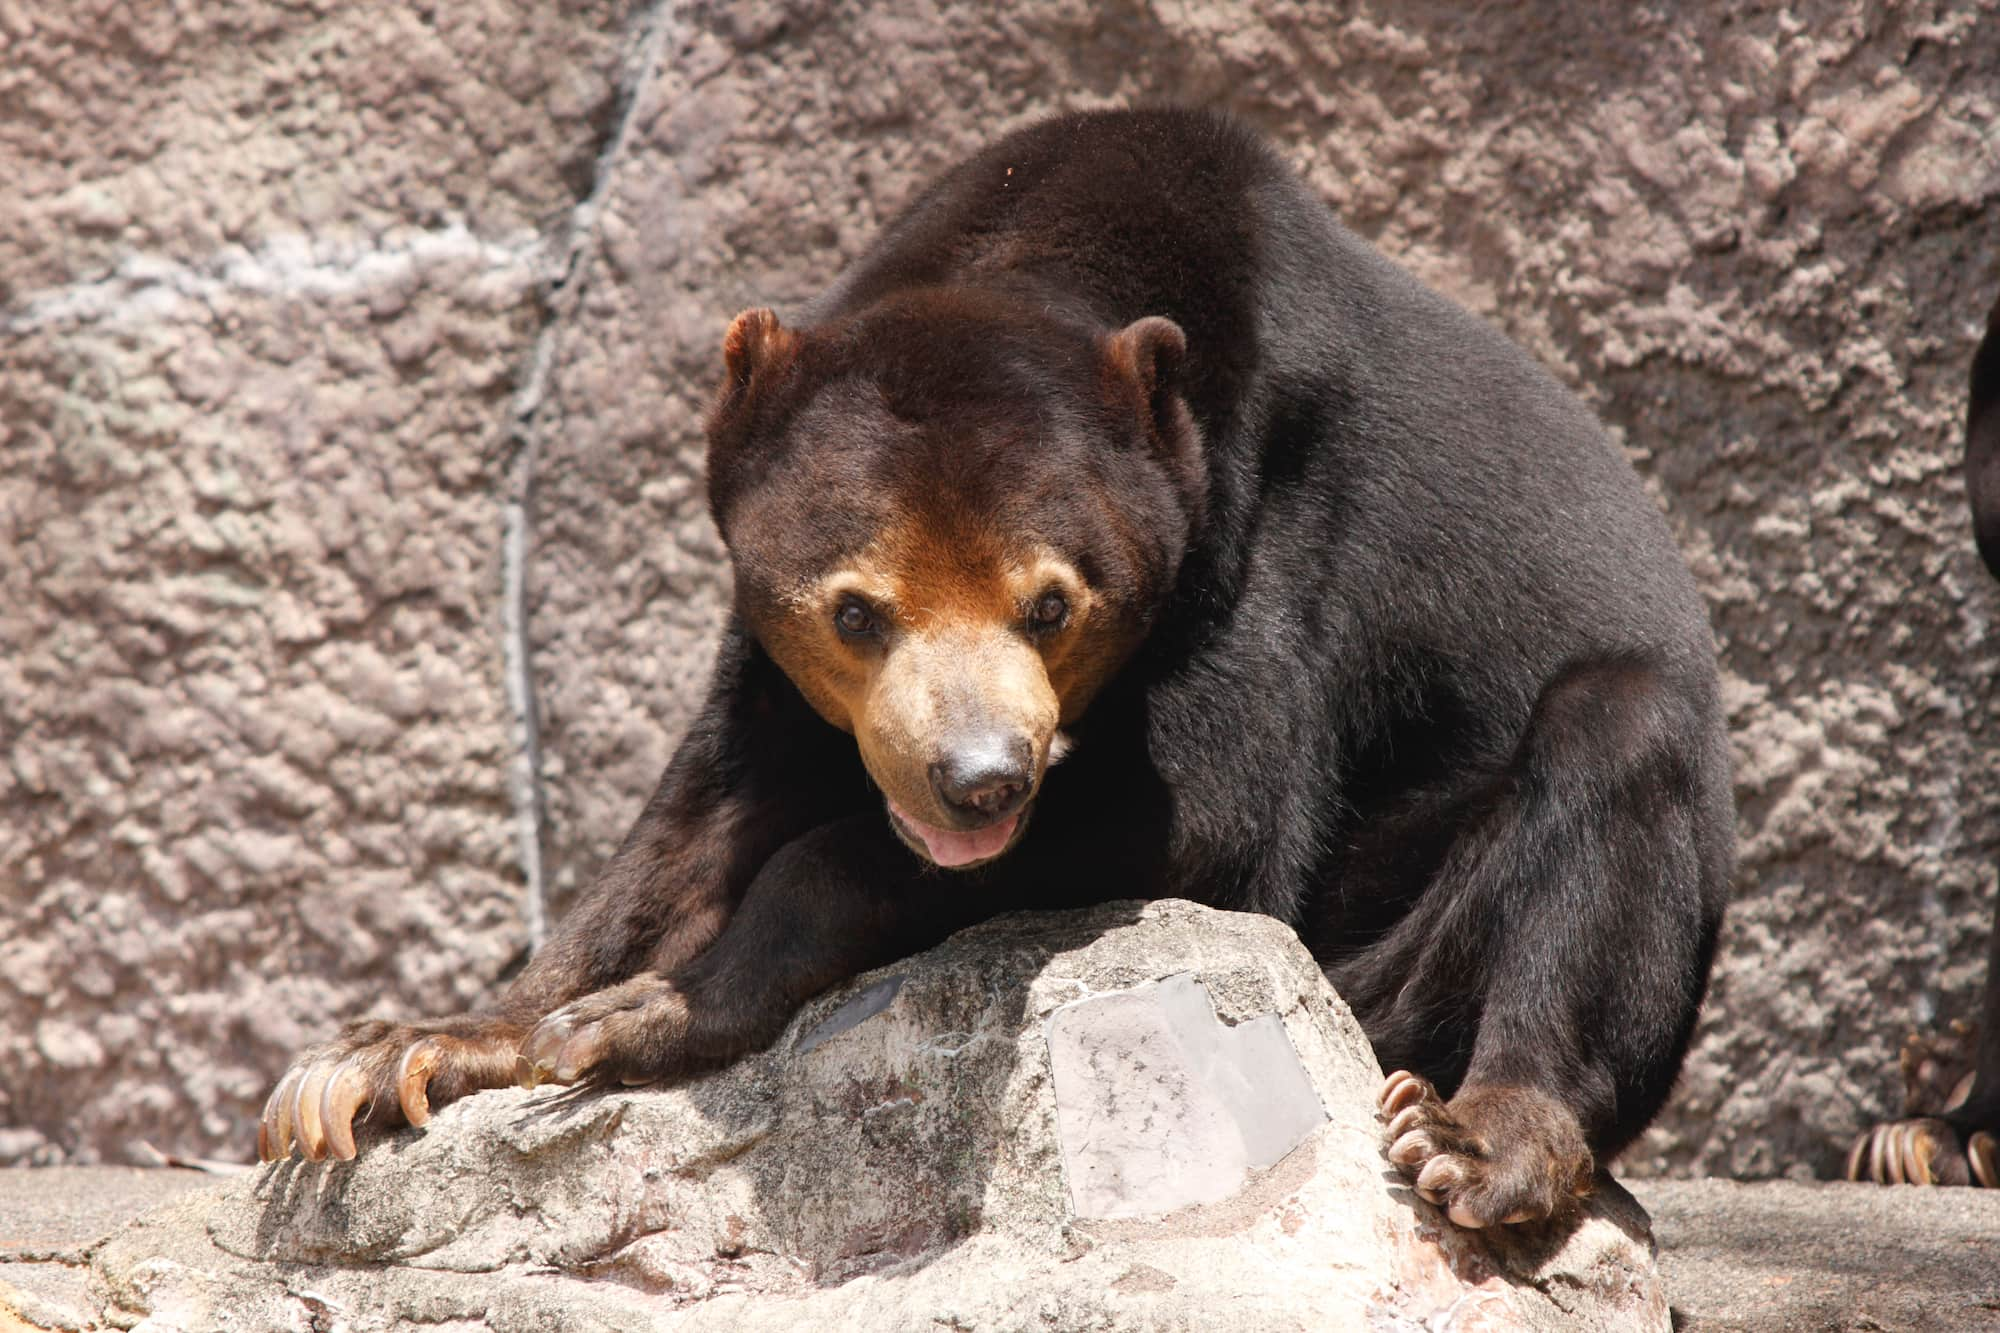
[947,462]
[956,652]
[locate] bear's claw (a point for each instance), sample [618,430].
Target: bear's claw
[630,1033]
[345,1092]
[1492,1156]
[375,1073]
[1924,1151]
[413,1077]
[540,1060]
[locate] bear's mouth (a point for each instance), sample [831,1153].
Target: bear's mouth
[957,849]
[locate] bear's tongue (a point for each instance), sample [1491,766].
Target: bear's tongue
[951,848]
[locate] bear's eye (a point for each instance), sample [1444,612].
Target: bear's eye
[1050,613]
[855,620]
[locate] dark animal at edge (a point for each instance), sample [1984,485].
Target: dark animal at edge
[1951,1131]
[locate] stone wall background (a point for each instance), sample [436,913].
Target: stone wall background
[355,580]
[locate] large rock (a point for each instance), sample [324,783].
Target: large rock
[1137,1117]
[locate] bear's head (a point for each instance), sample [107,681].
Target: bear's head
[952,518]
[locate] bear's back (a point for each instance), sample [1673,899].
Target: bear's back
[1343,404]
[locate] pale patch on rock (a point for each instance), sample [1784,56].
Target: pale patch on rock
[1159,1106]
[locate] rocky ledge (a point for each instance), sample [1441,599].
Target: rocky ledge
[1140,1117]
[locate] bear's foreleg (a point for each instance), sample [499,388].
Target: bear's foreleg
[1544,985]
[1959,1142]
[831,904]
[754,770]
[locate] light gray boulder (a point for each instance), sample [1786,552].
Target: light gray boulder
[1144,1116]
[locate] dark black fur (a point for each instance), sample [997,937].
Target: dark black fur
[1950,1132]
[1981,1110]
[1434,685]
[1422,673]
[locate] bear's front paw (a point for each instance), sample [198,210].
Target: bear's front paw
[630,1033]
[380,1074]
[1924,1151]
[1492,1155]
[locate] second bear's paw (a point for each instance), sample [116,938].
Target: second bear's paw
[630,1033]
[1924,1151]
[1493,1155]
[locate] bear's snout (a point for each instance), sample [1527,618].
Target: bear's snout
[984,778]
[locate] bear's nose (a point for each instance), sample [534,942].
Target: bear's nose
[984,780]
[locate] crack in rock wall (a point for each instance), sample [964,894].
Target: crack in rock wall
[253,669]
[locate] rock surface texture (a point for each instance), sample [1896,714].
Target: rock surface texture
[996,1134]
[354,575]
[1771,1257]
[1786,1256]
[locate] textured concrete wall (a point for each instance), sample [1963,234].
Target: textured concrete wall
[270,273]
[304,317]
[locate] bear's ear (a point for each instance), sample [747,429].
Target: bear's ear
[1144,365]
[756,349]
[1148,354]
[755,344]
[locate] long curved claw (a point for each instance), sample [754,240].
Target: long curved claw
[1465,1217]
[1400,1091]
[1919,1151]
[1437,1178]
[1894,1142]
[1411,1148]
[1404,1121]
[580,1053]
[1983,1154]
[1857,1156]
[344,1094]
[274,1131]
[540,1059]
[312,1134]
[413,1079]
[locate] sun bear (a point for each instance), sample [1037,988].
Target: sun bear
[1117,526]
[1951,1131]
